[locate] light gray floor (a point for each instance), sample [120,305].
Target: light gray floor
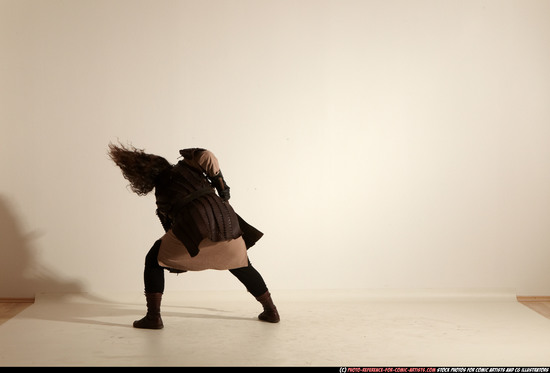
[331,328]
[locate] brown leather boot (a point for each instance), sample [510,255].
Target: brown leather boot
[270,313]
[152,319]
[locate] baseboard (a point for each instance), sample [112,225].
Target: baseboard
[16,300]
[533,298]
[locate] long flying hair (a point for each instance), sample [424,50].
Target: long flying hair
[139,168]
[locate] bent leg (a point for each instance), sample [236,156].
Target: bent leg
[255,284]
[153,274]
[251,279]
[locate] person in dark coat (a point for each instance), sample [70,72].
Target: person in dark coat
[202,230]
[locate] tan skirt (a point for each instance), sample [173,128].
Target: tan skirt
[213,255]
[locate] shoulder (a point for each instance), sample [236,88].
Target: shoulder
[202,159]
[204,156]
[191,153]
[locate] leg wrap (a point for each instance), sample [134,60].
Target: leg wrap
[152,319]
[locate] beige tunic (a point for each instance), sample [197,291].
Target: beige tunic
[212,255]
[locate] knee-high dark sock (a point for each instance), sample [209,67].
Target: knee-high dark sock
[153,274]
[251,279]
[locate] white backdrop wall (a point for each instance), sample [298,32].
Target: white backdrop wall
[387,144]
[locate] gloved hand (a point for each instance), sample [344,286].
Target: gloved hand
[221,186]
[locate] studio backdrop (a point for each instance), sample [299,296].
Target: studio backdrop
[387,144]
